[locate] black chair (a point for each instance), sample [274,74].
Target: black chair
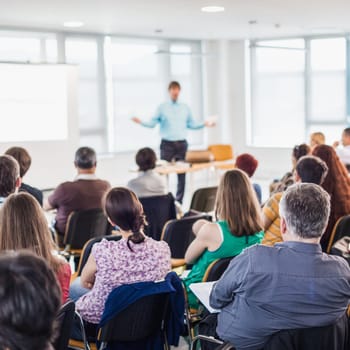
[139,321]
[82,226]
[64,324]
[86,251]
[158,210]
[203,200]
[179,235]
[216,269]
[340,230]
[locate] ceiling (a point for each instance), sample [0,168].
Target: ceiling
[183,18]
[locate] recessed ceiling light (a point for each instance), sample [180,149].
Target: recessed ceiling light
[213,9]
[73,24]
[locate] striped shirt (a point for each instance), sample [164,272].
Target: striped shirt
[271,213]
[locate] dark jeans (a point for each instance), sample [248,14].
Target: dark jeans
[175,150]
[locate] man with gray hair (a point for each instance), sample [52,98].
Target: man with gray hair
[291,285]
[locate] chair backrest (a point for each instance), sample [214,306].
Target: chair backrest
[221,152]
[216,269]
[139,321]
[64,324]
[335,336]
[158,211]
[203,200]
[340,230]
[178,234]
[84,225]
[87,250]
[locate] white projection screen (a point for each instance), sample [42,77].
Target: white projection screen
[39,111]
[33,102]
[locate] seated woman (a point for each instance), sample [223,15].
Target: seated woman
[134,258]
[288,179]
[239,226]
[247,163]
[149,183]
[23,225]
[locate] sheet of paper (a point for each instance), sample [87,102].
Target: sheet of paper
[202,292]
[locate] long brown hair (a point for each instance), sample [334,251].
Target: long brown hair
[237,204]
[23,226]
[336,183]
[125,210]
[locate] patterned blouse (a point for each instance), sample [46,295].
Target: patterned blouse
[118,265]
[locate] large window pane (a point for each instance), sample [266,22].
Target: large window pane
[328,83]
[278,96]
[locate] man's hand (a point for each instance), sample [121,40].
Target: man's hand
[336,144]
[209,123]
[136,120]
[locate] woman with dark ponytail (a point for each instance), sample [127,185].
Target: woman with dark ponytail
[135,258]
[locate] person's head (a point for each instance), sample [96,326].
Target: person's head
[300,151]
[317,138]
[174,89]
[85,160]
[311,169]
[125,211]
[23,158]
[146,159]
[304,211]
[23,226]
[247,163]
[29,302]
[9,175]
[345,138]
[237,204]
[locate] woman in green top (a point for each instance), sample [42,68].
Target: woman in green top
[239,226]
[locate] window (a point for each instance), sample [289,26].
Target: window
[298,87]
[278,93]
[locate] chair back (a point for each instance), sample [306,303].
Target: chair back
[335,336]
[216,269]
[340,230]
[179,235]
[158,210]
[203,200]
[88,247]
[64,324]
[139,321]
[221,152]
[84,225]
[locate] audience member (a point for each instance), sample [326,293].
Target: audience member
[29,302]
[10,179]
[23,226]
[24,161]
[316,139]
[288,179]
[337,184]
[344,152]
[309,169]
[149,182]
[134,258]
[292,285]
[247,163]
[239,226]
[85,192]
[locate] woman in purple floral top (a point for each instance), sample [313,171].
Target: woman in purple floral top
[135,258]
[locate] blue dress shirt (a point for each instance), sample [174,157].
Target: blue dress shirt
[174,119]
[288,286]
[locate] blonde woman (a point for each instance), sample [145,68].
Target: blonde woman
[239,226]
[23,226]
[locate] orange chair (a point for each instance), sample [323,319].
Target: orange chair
[221,152]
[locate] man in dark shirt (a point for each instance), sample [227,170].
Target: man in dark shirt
[24,160]
[85,192]
[288,286]
[10,180]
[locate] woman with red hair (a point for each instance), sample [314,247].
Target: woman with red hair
[337,184]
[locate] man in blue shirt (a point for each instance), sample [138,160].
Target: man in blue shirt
[289,286]
[174,118]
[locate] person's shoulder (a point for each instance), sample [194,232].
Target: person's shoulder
[339,263]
